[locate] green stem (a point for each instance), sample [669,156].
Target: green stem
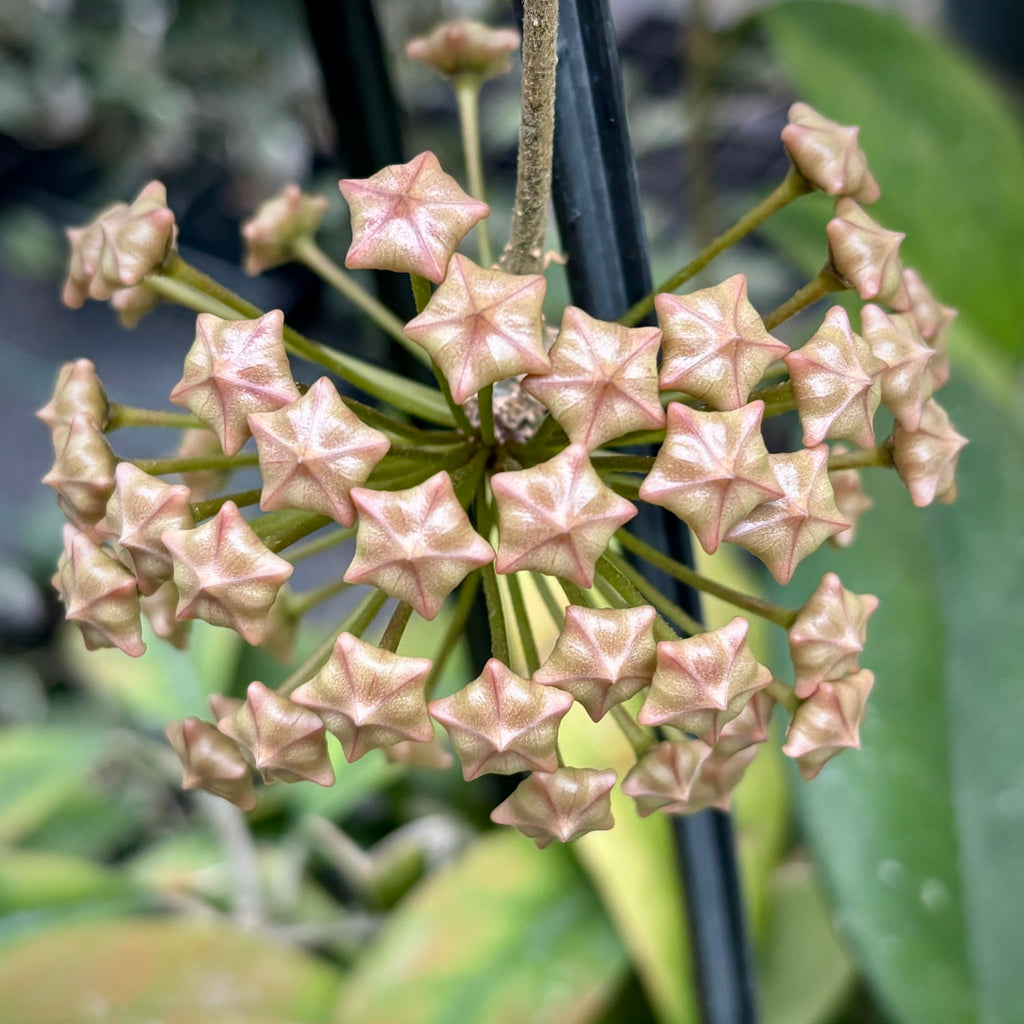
[784,695]
[392,635]
[669,609]
[315,547]
[485,405]
[355,623]
[547,595]
[622,463]
[279,529]
[119,416]
[204,509]
[458,413]
[765,609]
[778,397]
[639,738]
[300,604]
[880,455]
[420,291]
[818,287]
[414,435]
[182,283]
[195,463]
[492,596]
[456,628]
[791,187]
[310,254]
[523,627]
[620,591]
[651,437]
[574,593]
[467,96]
[466,479]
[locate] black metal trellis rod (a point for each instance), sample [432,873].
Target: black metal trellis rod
[598,210]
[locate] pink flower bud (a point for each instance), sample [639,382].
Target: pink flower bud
[665,775]
[503,723]
[482,326]
[559,806]
[866,256]
[712,469]
[225,574]
[926,458]
[120,247]
[828,155]
[715,345]
[416,545]
[828,722]
[369,698]
[270,233]
[556,517]
[78,391]
[235,368]
[602,656]
[409,218]
[851,500]
[465,47]
[828,634]
[906,379]
[603,381]
[835,383]
[83,472]
[313,451]
[212,762]
[704,681]
[285,741]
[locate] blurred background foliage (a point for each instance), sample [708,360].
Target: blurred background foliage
[886,891]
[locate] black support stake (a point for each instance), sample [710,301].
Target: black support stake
[597,205]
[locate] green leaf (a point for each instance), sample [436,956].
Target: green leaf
[805,974]
[946,149]
[43,768]
[168,969]
[507,934]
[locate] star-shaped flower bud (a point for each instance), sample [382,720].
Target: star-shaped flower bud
[867,256]
[704,681]
[828,155]
[141,508]
[933,321]
[749,728]
[715,346]
[160,608]
[712,469]
[225,574]
[132,304]
[602,656]
[559,806]
[83,472]
[850,498]
[503,723]
[906,379]
[783,532]
[664,776]
[313,452]
[415,545]
[465,47]
[719,776]
[556,517]
[99,593]
[835,383]
[120,247]
[235,368]
[603,381]
[926,458]
[369,698]
[285,741]
[212,762]
[270,233]
[828,722]
[828,634]
[409,218]
[481,326]
[78,391]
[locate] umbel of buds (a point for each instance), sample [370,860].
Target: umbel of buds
[518,468]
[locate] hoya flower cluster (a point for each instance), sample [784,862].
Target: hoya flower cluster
[520,466]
